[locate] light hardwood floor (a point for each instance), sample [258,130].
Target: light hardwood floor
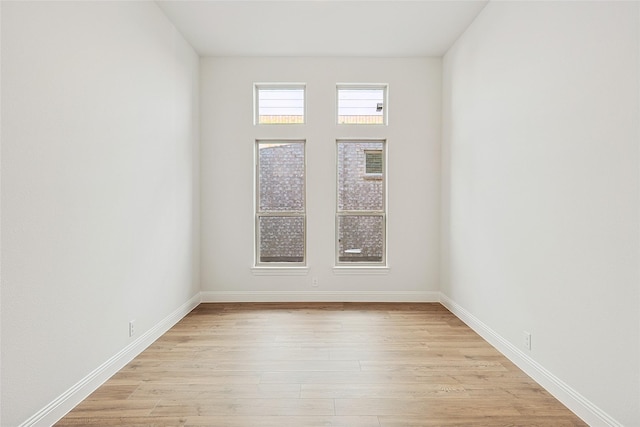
[307,365]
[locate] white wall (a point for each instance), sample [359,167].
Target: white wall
[228,137]
[541,185]
[99,188]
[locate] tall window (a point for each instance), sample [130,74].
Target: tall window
[362,104]
[280,202]
[361,204]
[279,103]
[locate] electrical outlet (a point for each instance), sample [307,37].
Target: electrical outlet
[132,327]
[314,282]
[527,340]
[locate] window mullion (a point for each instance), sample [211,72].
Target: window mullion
[281,213]
[363,213]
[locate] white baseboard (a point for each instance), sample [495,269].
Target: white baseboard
[573,400]
[320,296]
[577,403]
[64,403]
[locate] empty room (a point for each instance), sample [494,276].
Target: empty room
[311,213]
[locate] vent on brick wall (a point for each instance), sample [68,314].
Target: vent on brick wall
[373,162]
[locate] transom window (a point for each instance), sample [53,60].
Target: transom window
[279,104]
[362,104]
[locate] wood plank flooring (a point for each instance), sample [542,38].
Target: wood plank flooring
[313,364]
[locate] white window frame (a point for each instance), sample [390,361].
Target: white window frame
[364,86]
[369,266]
[266,268]
[277,86]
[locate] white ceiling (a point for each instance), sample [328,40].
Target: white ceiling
[393,28]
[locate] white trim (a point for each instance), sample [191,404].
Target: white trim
[362,270]
[320,296]
[352,267]
[279,271]
[294,214]
[581,406]
[577,403]
[64,403]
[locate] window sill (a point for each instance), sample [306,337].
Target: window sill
[373,176]
[279,271]
[360,270]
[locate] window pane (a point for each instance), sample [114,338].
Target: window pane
[281,238]
[356,190]
[361,106]
[360,238]
[280,105]
[281,176]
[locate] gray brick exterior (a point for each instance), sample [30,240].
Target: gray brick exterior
[281,182]
[282,178]
[360,238]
